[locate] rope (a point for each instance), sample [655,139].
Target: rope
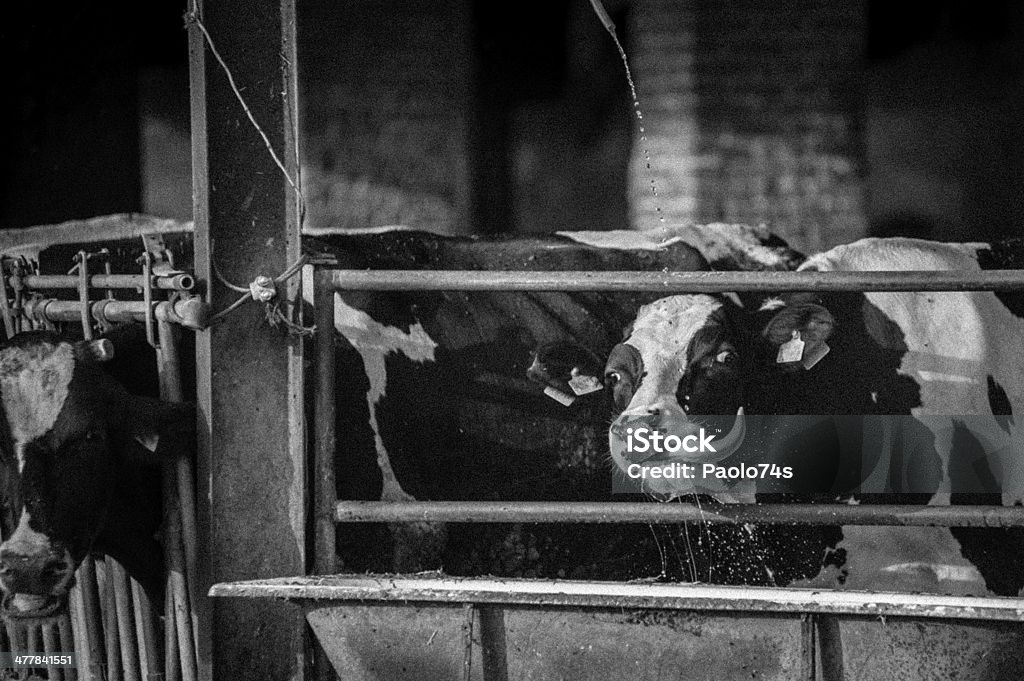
[192,18]
[263,289]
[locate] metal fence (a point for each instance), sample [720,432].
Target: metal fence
[112,627]
[485,595]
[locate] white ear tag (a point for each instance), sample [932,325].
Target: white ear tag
[563,399]
[582,384]
[815,354]
[791,351]
[150,441]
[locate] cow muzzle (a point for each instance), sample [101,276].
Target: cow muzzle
[35,579]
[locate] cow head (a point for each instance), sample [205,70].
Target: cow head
[68,434]
[680,368]
[696,361]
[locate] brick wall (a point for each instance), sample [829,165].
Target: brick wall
[753,113]
[385,94]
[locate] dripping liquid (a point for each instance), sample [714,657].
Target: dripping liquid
[640,124]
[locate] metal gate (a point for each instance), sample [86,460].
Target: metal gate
[811,620]
[111,626]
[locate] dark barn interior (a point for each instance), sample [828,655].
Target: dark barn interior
[823,121]
[826,120]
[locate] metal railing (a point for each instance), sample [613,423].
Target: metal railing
[115,628]
[328,510]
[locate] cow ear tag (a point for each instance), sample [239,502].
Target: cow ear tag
[583,384]
[564,399]
[815,354]
[791,351]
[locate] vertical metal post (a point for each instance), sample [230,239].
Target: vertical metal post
[325,494]
[251,461]
[468,613]
[91,616]
[808,656]
[171,389]
[830,648]
[493,648]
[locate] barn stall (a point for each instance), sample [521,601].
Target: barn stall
[110,623]
[476,624]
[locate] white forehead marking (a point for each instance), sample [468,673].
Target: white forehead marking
[662,332]
[771,304]
[34,384]
[671,322]
[26,535]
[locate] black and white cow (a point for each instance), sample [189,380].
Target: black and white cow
[77,465]
[433,401]
[947,362]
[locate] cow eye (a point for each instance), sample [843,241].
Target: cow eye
[725,357]
[612,377]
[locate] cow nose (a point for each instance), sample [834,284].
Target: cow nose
[32,572]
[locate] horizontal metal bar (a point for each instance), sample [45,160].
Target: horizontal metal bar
[190,313]
[180,281]
[670,283]
[652,512]
[676,282]
[366,590]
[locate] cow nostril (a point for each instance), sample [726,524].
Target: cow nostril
[654,411]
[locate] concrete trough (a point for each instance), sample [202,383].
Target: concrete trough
[384,627]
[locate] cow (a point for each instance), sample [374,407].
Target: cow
[930,377]
[434,403]
[434,400]
[80,463]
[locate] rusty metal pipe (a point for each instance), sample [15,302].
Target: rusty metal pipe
[111,632]
[122,607]
[178,281]
[675,282]
[652,512]
[145,626]
[189,312]
[92,616]
[169,355]
[178,573]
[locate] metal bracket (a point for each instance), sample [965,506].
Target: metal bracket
[6,265]
[163,259]
[147,298]
[82,268]
[156,260]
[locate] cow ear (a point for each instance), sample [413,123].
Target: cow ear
[809,323]
[99,350]
[149,420]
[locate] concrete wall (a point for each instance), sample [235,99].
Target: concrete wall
[385,89]
[753,113]
[945,133]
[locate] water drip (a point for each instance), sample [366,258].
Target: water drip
[606,21]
